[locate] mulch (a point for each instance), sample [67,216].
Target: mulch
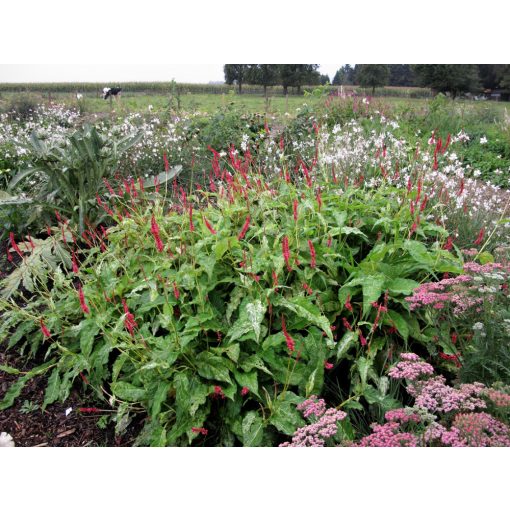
[29,425]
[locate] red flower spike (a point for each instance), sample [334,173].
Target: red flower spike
[199,430]
[176,291]
[245,228]
[291,345]
[45,331]
[209,226]
[15,247]
[479,239]
[245,391]
[75,262]
[295,209]
[83,304]
[348,304]
[327,365]
[286,252]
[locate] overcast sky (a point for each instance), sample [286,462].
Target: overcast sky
[184,73]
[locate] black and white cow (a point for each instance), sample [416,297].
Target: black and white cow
[111,92]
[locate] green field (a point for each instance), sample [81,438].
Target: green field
[491,111]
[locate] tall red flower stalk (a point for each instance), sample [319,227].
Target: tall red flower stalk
[75,262]
[45,331]
[129,321]
[479,239]
[312,254]
[155,233]
[15,247]
[286,252]
[295,209]
[245,228]
[209,226]
[83,304]
[291,345]
[176,291]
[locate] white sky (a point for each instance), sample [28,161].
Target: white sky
[184,73]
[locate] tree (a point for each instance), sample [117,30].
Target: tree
[491,75]
[296,75]
[324,79]
[236,73]
[263,74]
[401,75]
[452,78]
[344,76]
[372,75]
[505,78]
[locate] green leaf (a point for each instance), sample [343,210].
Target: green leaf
[14,391]
[53,389]
[160,395]
[250,320]
[372,286]
[9,370]
[308,311]
[126,391]
[419,252]
[88,330]
[399,322]
[286,418]
[248,379]
[346,342]
[213,367]
[402,286]
[253,429]
[485,257]
[363,366]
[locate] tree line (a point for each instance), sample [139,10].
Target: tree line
[451,78]
[268,75]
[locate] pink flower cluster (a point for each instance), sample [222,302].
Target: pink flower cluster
[403,415]
[435,396]
[410,368]
[388,435]
[436,294]
[498,398]
[315,434]
[471,429]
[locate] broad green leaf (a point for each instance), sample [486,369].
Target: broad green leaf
[250,319]
[286,418]
[253,429]
[402,286]
[363,366]
[306,310]
[400,323]
[248,379]
[346,342]
[88,330]
[213,367]
[372,286]
[159,396]
[53,389]
[126,391]
[419,252]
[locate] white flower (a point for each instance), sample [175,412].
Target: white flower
[150,107]
[79,96]
[478,326]
[6,440]
[483,140]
